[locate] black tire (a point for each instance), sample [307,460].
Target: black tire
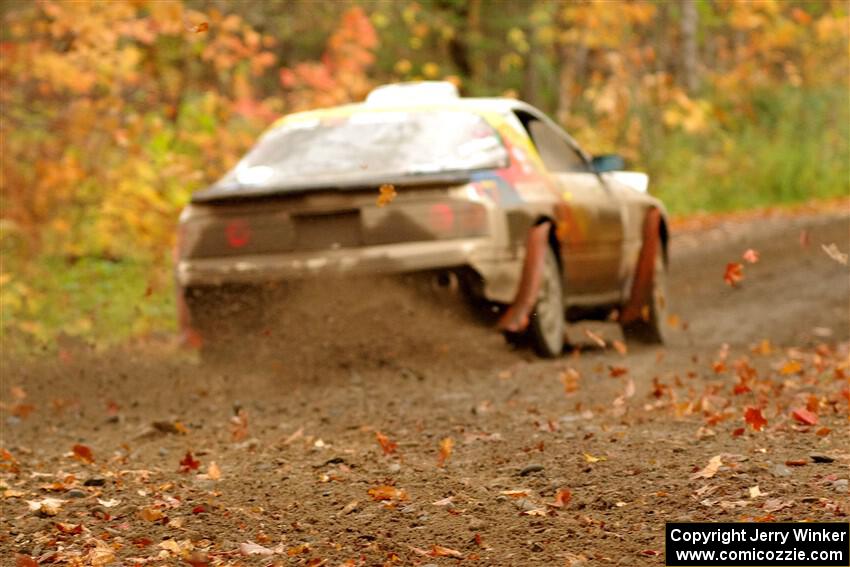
[547,324]
[649,327]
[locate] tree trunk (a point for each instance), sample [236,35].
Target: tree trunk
[690,21]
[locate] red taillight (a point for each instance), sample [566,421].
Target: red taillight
[458,219]
[442,218]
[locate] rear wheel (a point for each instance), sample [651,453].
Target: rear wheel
[649,327]
[547,325]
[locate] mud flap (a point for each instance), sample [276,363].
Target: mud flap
[640,296]
[516,318]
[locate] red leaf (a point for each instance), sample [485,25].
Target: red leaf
[738,432]
[25,561]
[69,529]
[754,418]
[804,416]
[617,371]
[734,273]
[189,463]
[388,446]
[796,463]
[83,453]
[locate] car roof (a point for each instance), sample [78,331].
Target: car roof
[468,104]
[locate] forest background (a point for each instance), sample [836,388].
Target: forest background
[113,113]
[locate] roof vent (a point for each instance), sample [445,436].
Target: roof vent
[412,92]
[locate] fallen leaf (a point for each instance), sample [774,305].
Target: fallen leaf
[750,256]
[200,28]
[18,393]
[25,561]
[251,548]
[805,238]
[108,503]
[673,320]
[443,502]
[754,418]
[387,492]
[536,512]
[387,194]
[823,431]
[591,459]
[188,463]
[791,367]
[213,471]
[600,342]
[570,378]
[298,549]
[102,554]
[69,529]
[294,436]
[734,273]
[83,453]
[710,469]
[440,551]
[46,506]
[387,446]
[755,491]
[804,416]
[562,498]
[796,462]
[833,252]
[617,371]
[514,493]
[775,504]
[620,347]
[446,446]
[151,514]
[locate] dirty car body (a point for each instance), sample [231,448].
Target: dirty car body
[473,178]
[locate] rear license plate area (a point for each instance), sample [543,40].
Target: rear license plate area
[327,231]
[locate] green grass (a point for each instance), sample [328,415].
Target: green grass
[93,300]
[795,150]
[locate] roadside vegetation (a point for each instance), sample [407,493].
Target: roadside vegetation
[113,113]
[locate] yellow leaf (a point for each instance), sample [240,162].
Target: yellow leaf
[591,459]
[388,194]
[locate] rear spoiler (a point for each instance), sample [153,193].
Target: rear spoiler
[235,191]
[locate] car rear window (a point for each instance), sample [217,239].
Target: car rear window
[368,145]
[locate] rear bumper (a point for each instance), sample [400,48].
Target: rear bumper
[499,270]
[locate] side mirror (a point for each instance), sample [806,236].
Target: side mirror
[608,162]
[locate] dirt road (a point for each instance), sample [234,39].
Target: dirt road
[577,461]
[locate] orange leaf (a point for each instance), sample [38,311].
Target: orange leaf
[754,418]
[734,273]
[388,446]
[796,463]
[791,367]
[188,463]
[446,446]
[83,453]
[440,551]
[804,416]
[620,347]
[388,194]
[202,27]
[823,431]
[562,498]
[386,492]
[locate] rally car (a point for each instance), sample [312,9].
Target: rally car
[488,193]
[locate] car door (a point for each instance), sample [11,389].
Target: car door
[593,237]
